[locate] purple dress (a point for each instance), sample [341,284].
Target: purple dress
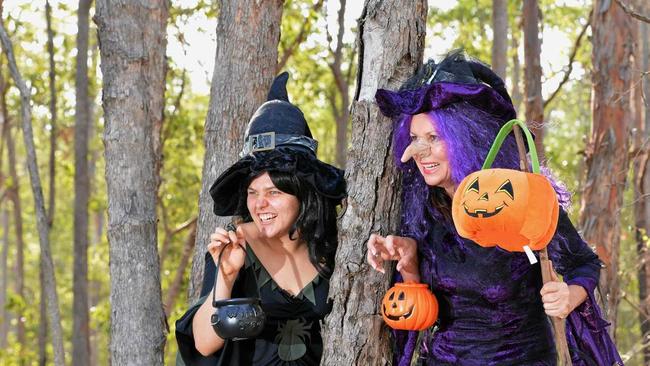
[491,312]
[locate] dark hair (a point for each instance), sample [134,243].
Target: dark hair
[316,222]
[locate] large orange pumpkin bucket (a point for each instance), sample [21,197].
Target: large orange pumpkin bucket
[504,207]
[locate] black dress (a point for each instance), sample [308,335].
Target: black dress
[291,334]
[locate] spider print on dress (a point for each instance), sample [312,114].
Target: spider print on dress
[291,339]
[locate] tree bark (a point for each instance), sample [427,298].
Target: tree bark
[80,327]
[246,58]
[53,125]
[607,150]
[4,281]
[642,185]
[42,326]
[342,111]
[516,70]
[39,202]
[500,41]
[533,74]
[391,41]
[132,38]
[4,263]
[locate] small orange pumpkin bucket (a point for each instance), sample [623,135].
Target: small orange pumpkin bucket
[409,306]
[504,207]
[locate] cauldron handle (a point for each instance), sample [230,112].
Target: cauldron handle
[231,227]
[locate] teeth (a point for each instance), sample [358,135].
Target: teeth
[267,216]
[431,166]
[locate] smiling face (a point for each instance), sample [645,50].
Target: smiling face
[398,307]
[273,211]
[430,153]
[409,306]
[496,194]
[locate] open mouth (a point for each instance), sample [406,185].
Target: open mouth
[484,213]
[398,317]
[267,217]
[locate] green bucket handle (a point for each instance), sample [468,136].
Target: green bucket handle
[501,136]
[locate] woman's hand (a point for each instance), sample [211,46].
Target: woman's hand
[560,299]
[233,256]
[401,249]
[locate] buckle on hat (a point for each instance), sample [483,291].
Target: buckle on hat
[259,142]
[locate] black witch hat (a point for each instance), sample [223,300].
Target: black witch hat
[278,138]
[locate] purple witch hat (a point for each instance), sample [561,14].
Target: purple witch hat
[455,79]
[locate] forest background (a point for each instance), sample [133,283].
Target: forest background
[318,46]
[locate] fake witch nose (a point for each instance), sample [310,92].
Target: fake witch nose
[415,148]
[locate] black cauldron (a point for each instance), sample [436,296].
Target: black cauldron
[238,318]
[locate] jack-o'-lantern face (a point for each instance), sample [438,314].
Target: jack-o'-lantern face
[409,306]
[398,306]
[508,208]
[487,203]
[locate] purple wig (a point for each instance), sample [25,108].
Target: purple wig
[468,133]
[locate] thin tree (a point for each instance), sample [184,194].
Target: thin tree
[607,150]
[42,326]
[4,280]
[39,202]
[132,38]
[340,108]
[533,101]
[4,259]
[391,43]
[80,327]
[245,61]
[500,38]
[642,183]
[516,68]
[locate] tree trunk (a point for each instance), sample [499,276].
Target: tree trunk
[175,287]
[246,58]
[642,185]
[342,112]
[500,42]
[132,38]
[533,74]
[39,202]
[42,326]
[4,262]
[608,144]
[80,327]
[14,194]
[391,41]
[4,279]
[516,70]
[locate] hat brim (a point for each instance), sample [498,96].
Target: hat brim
[439,94]
[227,190]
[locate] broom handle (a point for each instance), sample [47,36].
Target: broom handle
[561,346]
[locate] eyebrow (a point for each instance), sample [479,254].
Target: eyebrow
[266,188]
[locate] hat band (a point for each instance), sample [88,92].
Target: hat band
[271,140]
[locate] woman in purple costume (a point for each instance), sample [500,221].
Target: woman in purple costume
[493,306]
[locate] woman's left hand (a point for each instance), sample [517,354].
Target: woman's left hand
[556,298]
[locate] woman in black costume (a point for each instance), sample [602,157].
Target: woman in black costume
[284,200]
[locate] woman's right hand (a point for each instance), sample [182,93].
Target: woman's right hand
[399,248]
[233,256]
